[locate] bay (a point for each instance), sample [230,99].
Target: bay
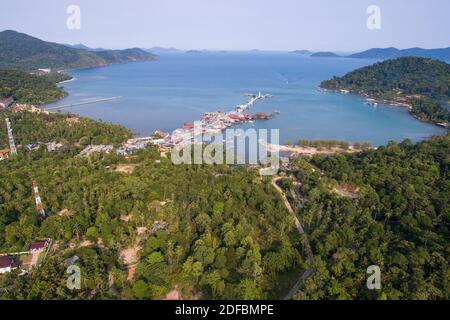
[163,95]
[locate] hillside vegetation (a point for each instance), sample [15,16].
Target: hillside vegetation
[228,234]
[399,221]
[31,89]
[18,50]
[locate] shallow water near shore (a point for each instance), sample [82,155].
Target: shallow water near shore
[163,95]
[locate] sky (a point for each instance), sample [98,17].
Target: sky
[318,25]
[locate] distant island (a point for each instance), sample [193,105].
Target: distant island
[193,51]
[420,84]
[383,53]
[326,54]
[163,51]
[302,52]
[18,50]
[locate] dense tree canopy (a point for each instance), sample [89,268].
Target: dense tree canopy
[399,221]
[227,233]
[31,89]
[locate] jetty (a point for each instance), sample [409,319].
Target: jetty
[84,103]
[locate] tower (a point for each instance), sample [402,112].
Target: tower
[37,199]
[12,145]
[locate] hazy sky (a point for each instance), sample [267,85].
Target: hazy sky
[338,25]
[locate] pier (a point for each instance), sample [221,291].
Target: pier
[83,103]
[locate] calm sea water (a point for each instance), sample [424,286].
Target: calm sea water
[180,88]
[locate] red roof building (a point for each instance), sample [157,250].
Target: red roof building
[4,154]
[38,245]
[6,102]
[8,264]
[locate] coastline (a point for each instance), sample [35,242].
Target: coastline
[306,150]
[373,100]
[352,137]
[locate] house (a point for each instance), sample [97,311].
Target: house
[38,245]
[159,225]
[161,134]
[71,260]
[4,154]
[6,102]
[45,71]
[53,146]
[285,162]
[8,264]
[33,146]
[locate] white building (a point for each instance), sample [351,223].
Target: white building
[8,264]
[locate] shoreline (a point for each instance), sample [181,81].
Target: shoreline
[388,102]
[374,101]
[308,151]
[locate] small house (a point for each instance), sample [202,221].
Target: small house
[38,245]
[71,260]
[8,264]
[4,154]
[6,102]
[53,146]
[285,162]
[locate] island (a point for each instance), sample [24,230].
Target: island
[419,84]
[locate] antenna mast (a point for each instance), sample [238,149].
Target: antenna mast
[12,145]
[37,199]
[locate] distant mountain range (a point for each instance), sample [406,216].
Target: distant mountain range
[391,53]
[18,50]
[385,53]
[82,46]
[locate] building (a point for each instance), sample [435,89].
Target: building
[33,146]
[53,146]
[188,126]
[38,245]
[71,260]
[45,71]
[285,161]
[161,134]
[8,264]
[6,102]
[4,154]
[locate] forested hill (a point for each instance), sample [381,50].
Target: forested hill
[19,50]
[398,219]
[207,231]
[31,89]
[423,83]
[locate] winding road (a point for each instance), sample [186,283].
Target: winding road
[305,243]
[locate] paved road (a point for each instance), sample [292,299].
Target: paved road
[305,243]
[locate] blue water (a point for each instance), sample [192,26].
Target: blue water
[180,88]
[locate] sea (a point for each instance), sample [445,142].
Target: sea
[179,88]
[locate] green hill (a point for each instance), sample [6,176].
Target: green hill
[18,50]
[421,82]
[31,89]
